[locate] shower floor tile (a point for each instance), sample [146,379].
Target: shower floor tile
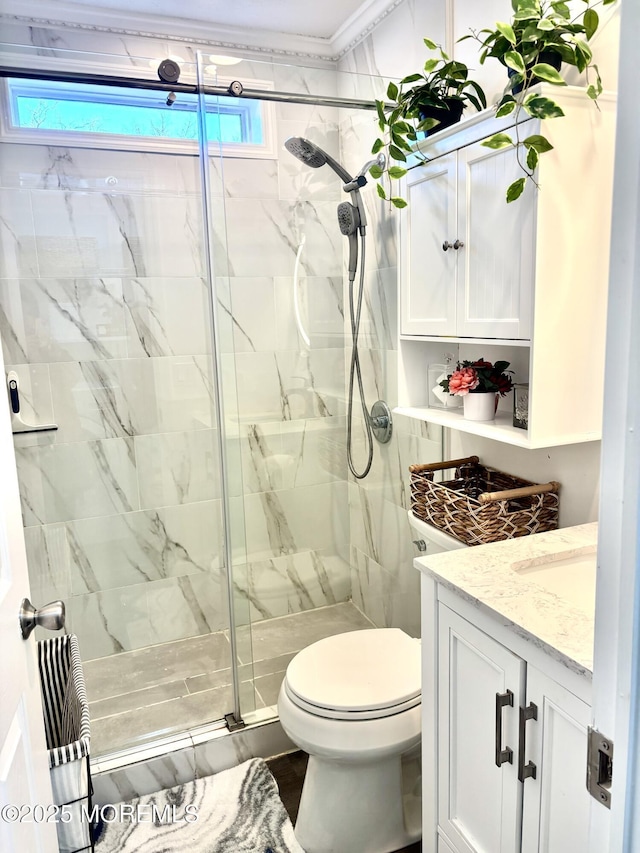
[136,697]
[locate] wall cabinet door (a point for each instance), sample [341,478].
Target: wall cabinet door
[428,286]
[496,265]
[479,803]
[556,803]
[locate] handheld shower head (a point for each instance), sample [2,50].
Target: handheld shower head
[349,222]
[312,155]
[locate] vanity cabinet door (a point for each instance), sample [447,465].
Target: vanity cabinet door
[428,283]
[556,803]
[479,802]
[496,266]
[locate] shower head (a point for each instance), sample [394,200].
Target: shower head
[348,218]
[312,155]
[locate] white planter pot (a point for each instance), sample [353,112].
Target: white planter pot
[480,407]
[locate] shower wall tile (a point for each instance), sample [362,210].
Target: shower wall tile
[290,385]
[307,518]
[177,468]
[379,324]
[17,235]
[182,607]
[132,548]
[48,549]
[388,600]
[166,316]
[292,583]
[264,235]
[104,399]
[56,168]
[88,234]
[69,481]
[110,622]
[66,319]
[319,316]
[253,309]
[245,178]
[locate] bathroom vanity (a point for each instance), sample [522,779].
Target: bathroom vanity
[507,646]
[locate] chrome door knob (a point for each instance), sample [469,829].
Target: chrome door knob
[51,617]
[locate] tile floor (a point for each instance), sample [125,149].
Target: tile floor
[135,697]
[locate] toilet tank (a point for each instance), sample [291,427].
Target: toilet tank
[430,540]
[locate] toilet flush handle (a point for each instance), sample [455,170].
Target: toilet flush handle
[420,544]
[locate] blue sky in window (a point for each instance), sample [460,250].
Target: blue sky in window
[124,119]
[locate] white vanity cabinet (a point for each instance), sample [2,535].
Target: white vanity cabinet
[524,282]
[468,266]
[511,749]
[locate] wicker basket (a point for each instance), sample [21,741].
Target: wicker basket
[482,504]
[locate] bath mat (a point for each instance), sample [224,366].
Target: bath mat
[235,811]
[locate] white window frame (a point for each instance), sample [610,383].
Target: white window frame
[267,150]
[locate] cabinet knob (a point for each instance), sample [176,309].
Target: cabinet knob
[458,245]
[447,245]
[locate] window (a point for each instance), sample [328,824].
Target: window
[83,114]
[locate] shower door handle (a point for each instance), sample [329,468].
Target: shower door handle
[17,424]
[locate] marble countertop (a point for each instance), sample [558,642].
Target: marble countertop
[513,579]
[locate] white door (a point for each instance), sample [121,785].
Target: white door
[556,803]
[496,263]
[479,802]
[428,271]
[24,770]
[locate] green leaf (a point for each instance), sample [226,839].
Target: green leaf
[505,109]
[412,78]
[397,172]
[515,190]
[392,92]
[430,65]
[497,141]
[378,145]
[382,121]
[590,21]
[563,10]
[398,202]
[540,143]
[430,44]
[545,25]
[540,107]
[532,159]
[381,191]
[514,60]
[376,172]
[396,153]
[507,31]
[548,73]
[428,123]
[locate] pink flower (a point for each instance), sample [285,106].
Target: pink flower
[462,381]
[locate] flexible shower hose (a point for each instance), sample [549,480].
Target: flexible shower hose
[355,369]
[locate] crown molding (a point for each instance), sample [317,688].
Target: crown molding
[71,16]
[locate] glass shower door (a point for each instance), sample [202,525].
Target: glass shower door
[104,318]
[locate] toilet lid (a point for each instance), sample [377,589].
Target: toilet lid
[360,671]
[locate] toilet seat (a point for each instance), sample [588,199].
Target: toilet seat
[359,675]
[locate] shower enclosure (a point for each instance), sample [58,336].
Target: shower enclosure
[172,298]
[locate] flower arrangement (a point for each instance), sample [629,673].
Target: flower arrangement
[477,377]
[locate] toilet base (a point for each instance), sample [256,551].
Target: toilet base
[360,807]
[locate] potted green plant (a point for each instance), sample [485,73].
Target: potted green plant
[541,37]
[427,101]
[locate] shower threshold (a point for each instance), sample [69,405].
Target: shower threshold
[140,696]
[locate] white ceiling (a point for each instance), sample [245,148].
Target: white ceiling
[314,18]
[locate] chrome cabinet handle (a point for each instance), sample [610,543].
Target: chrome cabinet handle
[51,616]
[447,245]
[503,700]
[528,770]
[458,245]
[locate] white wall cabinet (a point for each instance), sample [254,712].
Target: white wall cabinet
[531,275]
[468,256]
[506,784]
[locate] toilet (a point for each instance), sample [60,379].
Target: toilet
[352,702]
